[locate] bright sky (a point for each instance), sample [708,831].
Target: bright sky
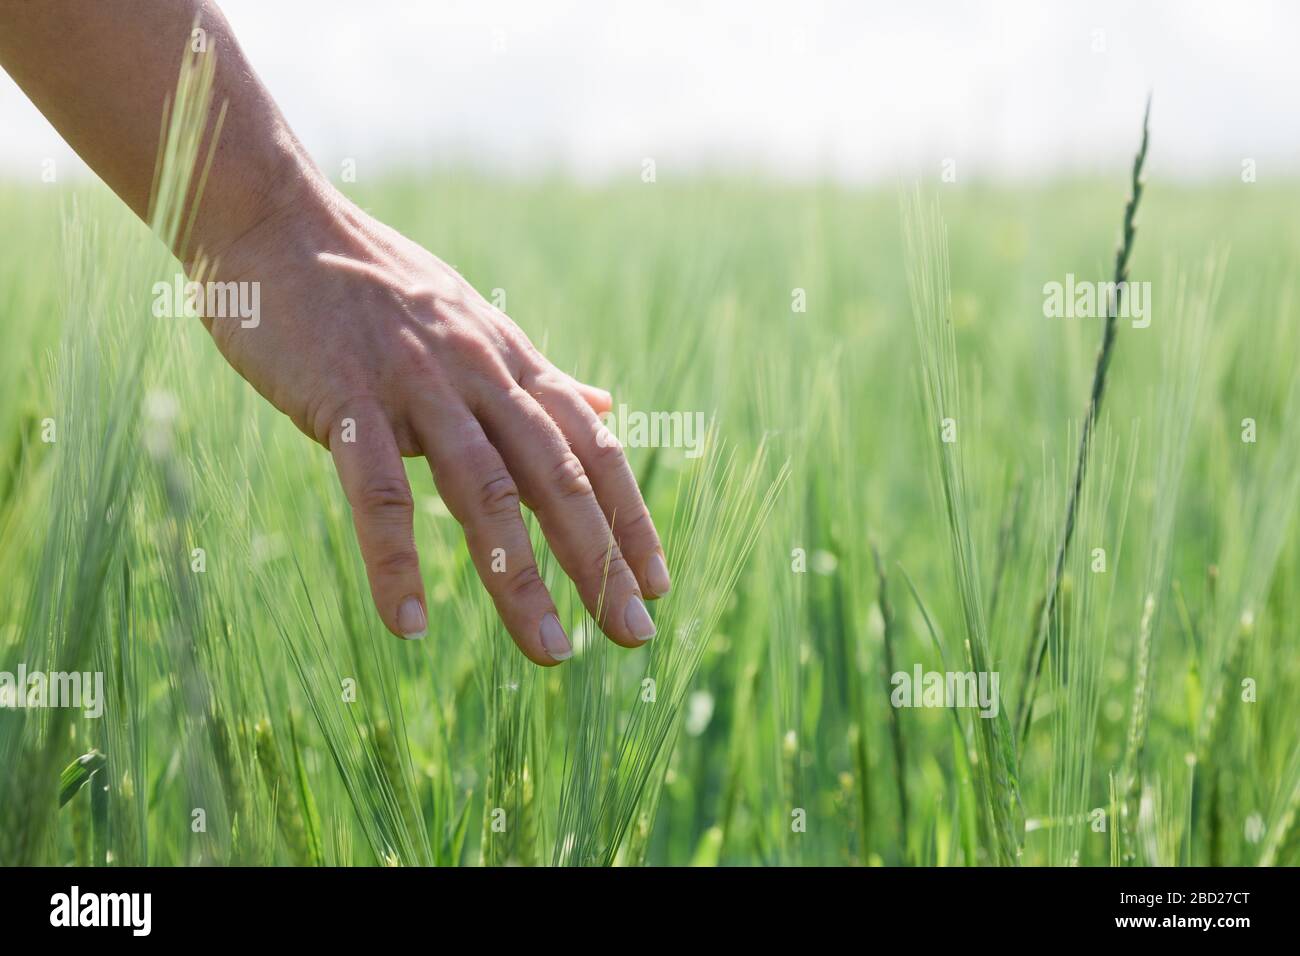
[861,91]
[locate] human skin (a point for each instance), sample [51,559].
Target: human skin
[360,325]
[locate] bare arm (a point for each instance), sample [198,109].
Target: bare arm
[373,346]
[100,72]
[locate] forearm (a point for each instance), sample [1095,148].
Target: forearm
[374,347]
[101,73]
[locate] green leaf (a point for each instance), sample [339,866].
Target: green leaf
[76,774]
[310,815]
[454,845]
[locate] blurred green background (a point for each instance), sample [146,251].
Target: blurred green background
[766,734]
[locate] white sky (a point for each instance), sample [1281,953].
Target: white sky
[861,91]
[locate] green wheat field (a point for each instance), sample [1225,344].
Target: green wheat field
[161,524]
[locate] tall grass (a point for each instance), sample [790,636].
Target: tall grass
[996,766]
[757,727]
[1116,295]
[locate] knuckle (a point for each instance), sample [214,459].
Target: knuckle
[475,348]
[544,380]
[524,346]
[466,342]
[411,356]
[604,565]
[386,497]
[554,388]
[568,477]
[398,562]
[524,583]
[498,494]
[638,527]
[330,406]
[606,450]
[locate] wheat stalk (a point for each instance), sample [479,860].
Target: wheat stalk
[1038,646]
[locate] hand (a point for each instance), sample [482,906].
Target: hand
[378,350]
[370,344]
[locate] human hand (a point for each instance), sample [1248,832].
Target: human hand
[378,350]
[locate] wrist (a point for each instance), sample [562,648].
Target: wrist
[243,209]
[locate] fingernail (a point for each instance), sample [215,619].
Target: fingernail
[553,639]
[411,620]
[656,575]
[637,619]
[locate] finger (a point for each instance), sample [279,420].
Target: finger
[601,401]
[373,478]
[611,479]
[480,493]
[556,487]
